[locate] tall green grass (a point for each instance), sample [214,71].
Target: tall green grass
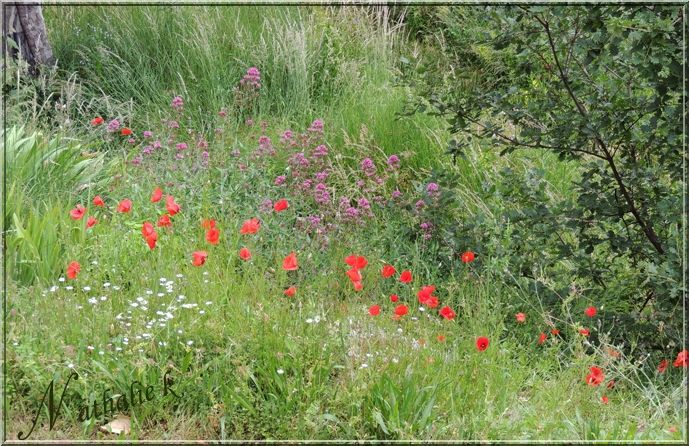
[337,64]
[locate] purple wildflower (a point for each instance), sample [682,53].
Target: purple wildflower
[177,102]
[394,162]
[113,125]
[316,126]
[368,167]
[280,180]
[320,151]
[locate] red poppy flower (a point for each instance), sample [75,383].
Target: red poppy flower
[663,366]
[482,343]
[388,271]
[358,286]
[681,360]
[401,310]
[199,258]
[542,338]
[354,275]
[156,195]
[147,229]
[432,302]
[126,131]
[604,399]
[73,269]
[97,121]
[595,377]
[171,206]
[151,239]
[250,226]
[468,257]
[78,212]
[91,222]
[584,331]
[213,236]
[441,338]
[447,313]
[291,291]
[98,201]
[555,332]
[244,254]
[394,298]
[290,262]
[374,310]
[124,206]
[590,311]
[357,262]
[164,221]
[425,293]
[208,223]
[521,317]
[405,277]
[281,205]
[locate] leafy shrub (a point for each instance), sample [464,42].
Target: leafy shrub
[600,87]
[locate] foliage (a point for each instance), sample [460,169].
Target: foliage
[42,174]
[600,86]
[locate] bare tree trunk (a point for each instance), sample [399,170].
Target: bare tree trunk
[24,24]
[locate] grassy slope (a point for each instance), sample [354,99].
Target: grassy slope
[229,376]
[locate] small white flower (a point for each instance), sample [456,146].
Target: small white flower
[205,273]
[53,288]
[163,279]
[104,298]
[161,294]
[87,288]
[116,288]
[280,371]
[190,342]
[180,331]
[61,279]
[69,288]
[70,365]
[101,352]
[119,349]
[149,292]
[106,285]
[363,366]
[95,262]
[205,280]
[309,321]
[202,311]
[179,276]
[209,302]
